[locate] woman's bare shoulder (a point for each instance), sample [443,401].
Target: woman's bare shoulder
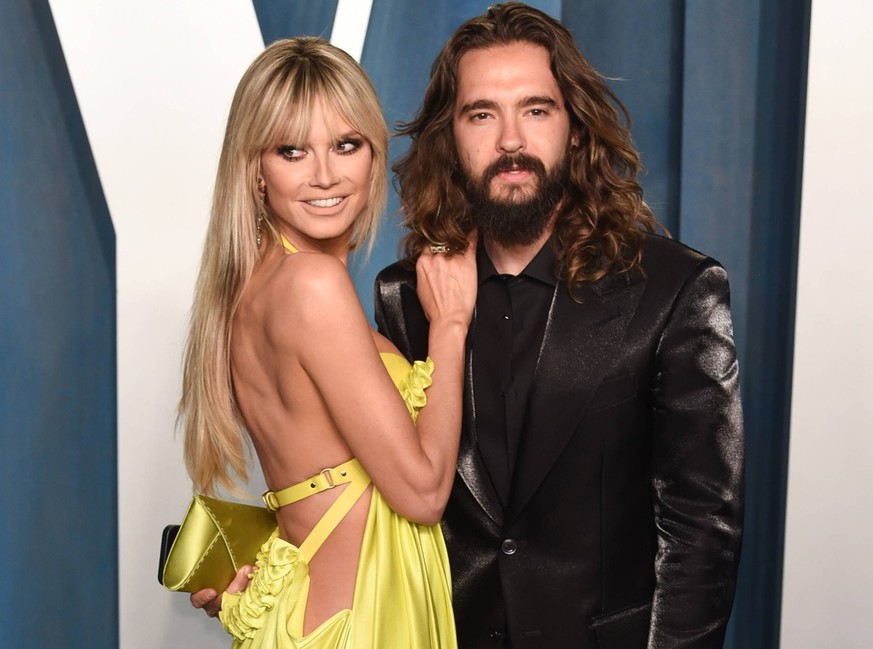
[307,292]
[306,272]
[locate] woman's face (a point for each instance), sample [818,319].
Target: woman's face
[316,189]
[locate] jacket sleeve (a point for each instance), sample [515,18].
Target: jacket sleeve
[698,466]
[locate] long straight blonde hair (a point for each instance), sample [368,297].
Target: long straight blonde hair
[273,105]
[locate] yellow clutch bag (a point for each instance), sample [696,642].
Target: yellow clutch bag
[216,538]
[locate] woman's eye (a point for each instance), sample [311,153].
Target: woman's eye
[291,152]
[347,146]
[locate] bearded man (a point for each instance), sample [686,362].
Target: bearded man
[598,500]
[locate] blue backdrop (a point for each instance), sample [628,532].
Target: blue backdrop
[57,336]
[716,90]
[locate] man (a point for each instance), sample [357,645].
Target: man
[598,501]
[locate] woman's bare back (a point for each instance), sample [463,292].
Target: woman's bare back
[292,429]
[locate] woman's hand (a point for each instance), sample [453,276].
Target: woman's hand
[447,284]
[210,601]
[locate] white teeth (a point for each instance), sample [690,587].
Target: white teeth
[325,202]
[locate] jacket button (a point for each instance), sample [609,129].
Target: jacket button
[509,546]
[496,636]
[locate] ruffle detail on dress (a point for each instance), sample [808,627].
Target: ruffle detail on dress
[413,386]
[280,569]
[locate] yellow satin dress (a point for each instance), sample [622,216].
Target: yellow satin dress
[402,596]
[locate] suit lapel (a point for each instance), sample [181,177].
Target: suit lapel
[580,342]
[414,323]
[471,468]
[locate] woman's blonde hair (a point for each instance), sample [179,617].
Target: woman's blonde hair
[273,105]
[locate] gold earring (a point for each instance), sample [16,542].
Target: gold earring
[262,194]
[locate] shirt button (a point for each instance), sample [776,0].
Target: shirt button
[509,546]
[506,316]
[496,636]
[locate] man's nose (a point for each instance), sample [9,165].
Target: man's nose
[511,137]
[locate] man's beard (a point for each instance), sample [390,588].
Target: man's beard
[519,219]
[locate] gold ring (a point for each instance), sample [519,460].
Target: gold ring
[438,248]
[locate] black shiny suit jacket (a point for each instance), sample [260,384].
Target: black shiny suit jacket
[624,523]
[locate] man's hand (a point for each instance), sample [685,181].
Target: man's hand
[210,601]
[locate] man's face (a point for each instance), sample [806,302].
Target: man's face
[512,135]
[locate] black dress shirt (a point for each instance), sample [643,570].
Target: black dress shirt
[511,314]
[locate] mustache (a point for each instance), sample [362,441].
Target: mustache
[508,162]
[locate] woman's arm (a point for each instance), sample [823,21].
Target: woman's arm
[319,324]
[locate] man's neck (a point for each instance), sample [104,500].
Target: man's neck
[511,260]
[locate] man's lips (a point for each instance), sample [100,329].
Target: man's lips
[514,173]
[514,169]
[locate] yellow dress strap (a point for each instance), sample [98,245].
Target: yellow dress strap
[287,244]
[351,473]
[332,517]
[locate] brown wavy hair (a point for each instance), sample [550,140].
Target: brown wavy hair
[602,219]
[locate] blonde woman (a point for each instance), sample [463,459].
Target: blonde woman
[280,350]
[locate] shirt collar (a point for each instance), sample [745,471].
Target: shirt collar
[539,268]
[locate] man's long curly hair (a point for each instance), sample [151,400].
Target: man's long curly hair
[602,219]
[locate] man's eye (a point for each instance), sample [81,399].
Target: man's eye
[479,116]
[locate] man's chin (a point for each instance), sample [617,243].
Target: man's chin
[513,196]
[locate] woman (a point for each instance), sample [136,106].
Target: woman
[279,346]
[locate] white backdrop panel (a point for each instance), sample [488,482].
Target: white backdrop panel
[829,528]
[154,80]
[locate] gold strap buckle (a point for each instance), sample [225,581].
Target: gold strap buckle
[270,501]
